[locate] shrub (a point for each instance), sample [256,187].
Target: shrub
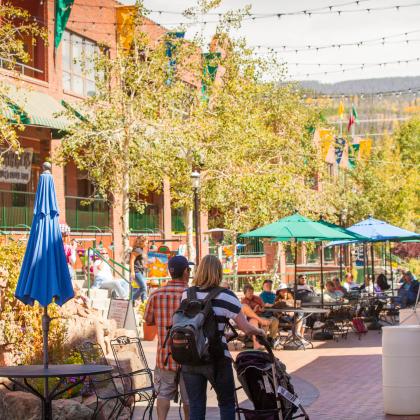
[20,325]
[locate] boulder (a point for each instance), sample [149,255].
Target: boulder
[70,410]
[18,405]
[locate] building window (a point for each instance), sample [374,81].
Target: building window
[78,64]
[312,254]
[290,254]
[329,254]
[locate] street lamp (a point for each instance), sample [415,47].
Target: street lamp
[195,180]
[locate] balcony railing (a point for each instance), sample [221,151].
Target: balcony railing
[16,209]
[146,222]
[85,214]
[247,247]
[251,246]
[21,68]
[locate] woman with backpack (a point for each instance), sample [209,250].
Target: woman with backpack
[219,370]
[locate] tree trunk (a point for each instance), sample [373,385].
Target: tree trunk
[125,216]
[276,264]
[235,264]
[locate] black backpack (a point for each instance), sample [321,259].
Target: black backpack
[194,337]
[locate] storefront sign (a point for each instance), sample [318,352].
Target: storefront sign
[16,169]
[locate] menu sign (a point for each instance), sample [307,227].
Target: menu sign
[16,168]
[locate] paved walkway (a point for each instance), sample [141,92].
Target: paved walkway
[336,380]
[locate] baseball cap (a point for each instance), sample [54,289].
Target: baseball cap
[283,286]
[177,266]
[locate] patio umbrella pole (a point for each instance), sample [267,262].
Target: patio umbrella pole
[295,285]
[390,267]
[322,274]
[341,263]
[47,408]
[372,253]
[364,264]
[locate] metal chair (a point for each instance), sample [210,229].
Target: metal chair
[105,386]
[132,365]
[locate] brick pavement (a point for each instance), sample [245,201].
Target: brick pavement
[337,380]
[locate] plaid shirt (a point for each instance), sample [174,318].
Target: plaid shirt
[161,305]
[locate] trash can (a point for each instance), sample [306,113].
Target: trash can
[401,369]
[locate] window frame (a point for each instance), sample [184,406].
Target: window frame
[73,61]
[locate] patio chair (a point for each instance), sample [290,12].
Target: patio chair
[106,386]
[132,365]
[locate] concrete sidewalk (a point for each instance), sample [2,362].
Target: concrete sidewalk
[336,380]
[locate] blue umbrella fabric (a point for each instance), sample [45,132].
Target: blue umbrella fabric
[44,275]
[378,231]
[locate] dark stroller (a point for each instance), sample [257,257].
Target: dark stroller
[260,374]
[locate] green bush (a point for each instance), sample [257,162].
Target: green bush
[20,325]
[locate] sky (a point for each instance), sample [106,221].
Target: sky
[319,30]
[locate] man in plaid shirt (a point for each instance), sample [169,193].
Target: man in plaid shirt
[161,305]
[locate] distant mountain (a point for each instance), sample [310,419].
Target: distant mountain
[385,84]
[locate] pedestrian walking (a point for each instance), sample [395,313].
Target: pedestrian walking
[138,262]
[219,370]
[161,305]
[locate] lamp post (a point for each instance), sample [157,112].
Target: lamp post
[195,180]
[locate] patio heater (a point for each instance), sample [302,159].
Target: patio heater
[195,180]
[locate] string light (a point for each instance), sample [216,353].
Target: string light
[361,66]
[298,48]
[364,95]
[253,17]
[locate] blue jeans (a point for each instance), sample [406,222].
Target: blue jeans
[220,376]
[141,291]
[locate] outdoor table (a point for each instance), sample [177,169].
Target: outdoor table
[302,313]
[13,373]
[320,305]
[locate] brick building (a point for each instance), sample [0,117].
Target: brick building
[51,80]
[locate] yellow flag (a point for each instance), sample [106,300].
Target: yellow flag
[125,26]
[341,109]
[326,137]
[365,148]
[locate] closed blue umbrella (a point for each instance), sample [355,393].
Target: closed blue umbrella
[44,276]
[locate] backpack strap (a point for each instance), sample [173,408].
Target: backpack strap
[213,294]
[192,293]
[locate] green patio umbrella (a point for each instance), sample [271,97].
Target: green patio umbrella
[297,228]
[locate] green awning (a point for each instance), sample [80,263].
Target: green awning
[31,107]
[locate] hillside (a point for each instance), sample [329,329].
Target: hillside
[384,84]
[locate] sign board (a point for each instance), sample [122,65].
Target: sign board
[16,169]
[359,255]
[157,264]
[122,312]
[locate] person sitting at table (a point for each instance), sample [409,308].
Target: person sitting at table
[409,290]
[302,284]
[331,294]
[104,278]
[349,283]
[267,295]
[256,321]
[338,287]
[381,285]
[257,305]
[284,299]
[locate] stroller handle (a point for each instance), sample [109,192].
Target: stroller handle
[263,341]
